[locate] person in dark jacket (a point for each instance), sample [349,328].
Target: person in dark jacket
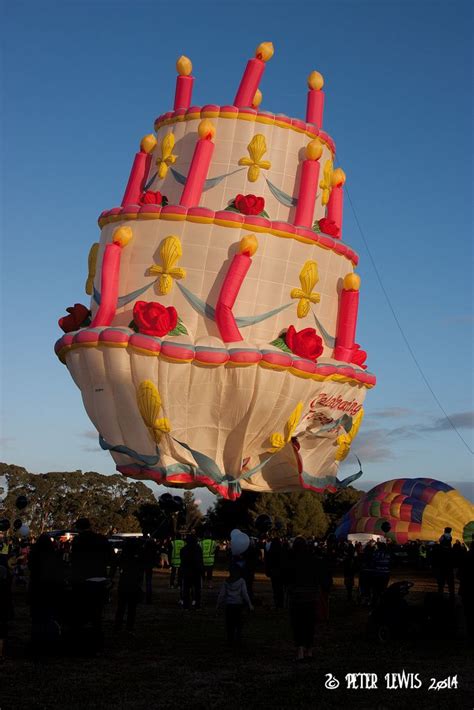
[45,591]
[274,563]
[90,557]
[302,580]
[132,567]
[192,569]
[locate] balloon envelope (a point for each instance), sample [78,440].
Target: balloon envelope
[263,523]
[414,508]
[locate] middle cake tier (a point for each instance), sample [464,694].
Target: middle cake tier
[181,258]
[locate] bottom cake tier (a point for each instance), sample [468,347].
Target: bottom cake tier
[241,416]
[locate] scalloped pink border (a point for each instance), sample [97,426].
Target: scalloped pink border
[187,352]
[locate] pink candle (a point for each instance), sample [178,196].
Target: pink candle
[347,320]
[252,75]
[308,185]
[110,276]
[139,171]
[199,167]
[315,100]
[230,288]
[184,83]
[336,200]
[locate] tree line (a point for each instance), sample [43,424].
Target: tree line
[57,499]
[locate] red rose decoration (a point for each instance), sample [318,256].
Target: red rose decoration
[151,198]
[305,343]
[359,356]
[249,204]
[78,315]
[329,227]
[154,319]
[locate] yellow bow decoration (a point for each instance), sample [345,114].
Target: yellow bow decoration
[92,266]
[326,182]
[277,440]
[256,148]
[149,405]
[305,295]
[344,441]
[170,252]
[167,158]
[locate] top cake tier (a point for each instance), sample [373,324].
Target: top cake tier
[255,153]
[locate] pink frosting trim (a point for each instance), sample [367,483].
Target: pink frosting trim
[205,354]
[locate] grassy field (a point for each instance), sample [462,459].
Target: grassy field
[178,659]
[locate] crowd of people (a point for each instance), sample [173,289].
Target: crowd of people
[69,580]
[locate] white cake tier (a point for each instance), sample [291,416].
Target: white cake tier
[264,305]
[284,141]
[205,420]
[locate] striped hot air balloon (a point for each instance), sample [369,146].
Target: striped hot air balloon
[416,508]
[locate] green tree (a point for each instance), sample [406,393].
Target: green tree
[57,499]
[337,504]
[193,514]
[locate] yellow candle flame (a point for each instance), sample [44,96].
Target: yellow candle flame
[351,282]
[184,66]
[148,143]
[248,244]
[314,149]
[206,129]
[257,99]
[122,236]
[264,51]
[338,177]
[315,81]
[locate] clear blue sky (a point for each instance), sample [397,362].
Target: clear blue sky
[83,81]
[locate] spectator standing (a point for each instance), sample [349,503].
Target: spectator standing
[192,568]
[233,596]
[132,566]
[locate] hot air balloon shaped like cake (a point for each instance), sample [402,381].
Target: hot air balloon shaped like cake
[415,508]
[219,348]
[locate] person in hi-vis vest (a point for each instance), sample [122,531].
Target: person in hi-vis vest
[208,546]
[176,546]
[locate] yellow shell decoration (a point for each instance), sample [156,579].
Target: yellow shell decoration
[170,252]
[277,440]
[167,158]
[326,182]
[149,405]
[308,279]
[257,149]
[344,441]
[92,267]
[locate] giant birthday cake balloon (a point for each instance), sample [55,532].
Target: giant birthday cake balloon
[219,348]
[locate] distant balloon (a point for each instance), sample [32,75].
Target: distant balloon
[24,531]
[21,502]
[17,524]
[239,542]
[414,508]
[264,523]
[4,524]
